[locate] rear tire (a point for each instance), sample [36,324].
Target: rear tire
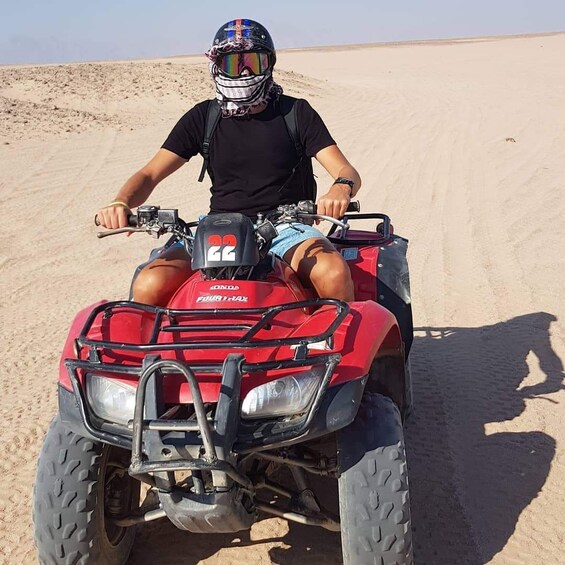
[373,486]
[80,486]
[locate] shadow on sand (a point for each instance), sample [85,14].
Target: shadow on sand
[464,379]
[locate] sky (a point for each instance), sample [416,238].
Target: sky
[59,31]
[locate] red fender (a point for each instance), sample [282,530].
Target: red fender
[130,326]
[368,330]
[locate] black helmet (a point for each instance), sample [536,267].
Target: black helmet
[249,34]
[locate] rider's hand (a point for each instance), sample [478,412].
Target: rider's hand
[113,216]
[335,202]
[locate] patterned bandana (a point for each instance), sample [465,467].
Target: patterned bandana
[237,96]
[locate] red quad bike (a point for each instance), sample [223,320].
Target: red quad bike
[198,411]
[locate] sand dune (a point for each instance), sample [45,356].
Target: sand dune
[462,143]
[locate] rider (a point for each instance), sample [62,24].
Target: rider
[252,165]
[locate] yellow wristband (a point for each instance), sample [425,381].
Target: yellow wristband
[119,203]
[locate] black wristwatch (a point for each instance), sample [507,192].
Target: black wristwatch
[348,182]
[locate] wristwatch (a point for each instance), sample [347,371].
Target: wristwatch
[348,182]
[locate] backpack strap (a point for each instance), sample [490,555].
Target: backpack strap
[287,106]
[213,116]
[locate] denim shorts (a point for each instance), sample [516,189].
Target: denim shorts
[291,235]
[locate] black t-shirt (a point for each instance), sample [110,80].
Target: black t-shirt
[253,156]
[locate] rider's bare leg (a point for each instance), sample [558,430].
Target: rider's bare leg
[316,261]
[157,282]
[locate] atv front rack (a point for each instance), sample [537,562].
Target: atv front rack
[267,315]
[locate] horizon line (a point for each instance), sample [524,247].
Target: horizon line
[332,47]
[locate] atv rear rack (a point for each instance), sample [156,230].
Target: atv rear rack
[267,315]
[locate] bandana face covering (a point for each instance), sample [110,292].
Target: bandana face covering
[238,95]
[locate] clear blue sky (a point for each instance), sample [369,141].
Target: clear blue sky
[45,31]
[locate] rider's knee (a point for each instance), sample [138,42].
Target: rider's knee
[148,287]
[334,272]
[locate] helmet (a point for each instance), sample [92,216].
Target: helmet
[245,35]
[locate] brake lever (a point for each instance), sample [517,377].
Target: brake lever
[106,233]
[339,223]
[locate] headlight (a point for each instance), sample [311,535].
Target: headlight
[110,400]
[285,396]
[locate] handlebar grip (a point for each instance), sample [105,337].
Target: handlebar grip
[310,207]
[132,220]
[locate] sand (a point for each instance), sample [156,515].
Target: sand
[461,143]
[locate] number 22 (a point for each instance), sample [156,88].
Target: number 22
[222,248]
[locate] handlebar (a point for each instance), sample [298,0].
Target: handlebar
[158,221]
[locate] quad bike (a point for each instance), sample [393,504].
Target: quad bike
[197,411]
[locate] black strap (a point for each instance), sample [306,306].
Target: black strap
[213,116]
[287,106]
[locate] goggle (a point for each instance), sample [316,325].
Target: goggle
[233,64]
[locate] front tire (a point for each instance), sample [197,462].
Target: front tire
[373,486]
[80,486]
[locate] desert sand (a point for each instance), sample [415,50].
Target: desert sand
[462,143]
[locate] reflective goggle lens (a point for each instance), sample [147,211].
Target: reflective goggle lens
[233,64]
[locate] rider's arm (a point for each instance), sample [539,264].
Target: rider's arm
[138,187]
[334,203]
